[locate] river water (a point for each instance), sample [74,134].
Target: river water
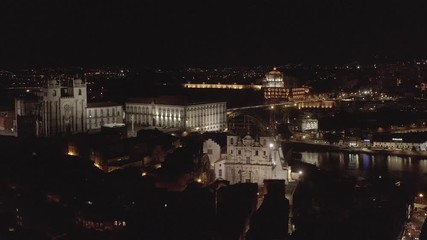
[361,165]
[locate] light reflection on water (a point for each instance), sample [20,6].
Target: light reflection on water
[365,165]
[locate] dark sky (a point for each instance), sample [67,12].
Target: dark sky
[204,32]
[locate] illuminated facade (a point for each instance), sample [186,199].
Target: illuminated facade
[250,161]
[316,104]
[405,141]
[274,86]
[299,93]
[63,107]
[100,114]
[172,112]
[222,86]
[309,125]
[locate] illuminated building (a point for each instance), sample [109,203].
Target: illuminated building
[175,112]
[316,104]
[222,86]
[275,91]
[250,161]
[64,107]
[416,141]
[274,86]
[59,108]
[103,113]
[299,93]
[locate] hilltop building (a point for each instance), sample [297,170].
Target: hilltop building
[59,108]
[176,113]
[103,114]
[248,160]
[275,90]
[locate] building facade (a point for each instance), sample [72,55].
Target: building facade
[171,112]
[250,161]
[274,87]
[103,113]
[212,150]
[63,107]
[401,141]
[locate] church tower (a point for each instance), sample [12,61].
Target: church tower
[64,107]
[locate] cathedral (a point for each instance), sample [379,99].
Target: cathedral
[59,108]
[63,107]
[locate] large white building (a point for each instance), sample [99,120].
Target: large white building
[102,113]
[253,161]
[273,86]
[174,112]
[63,107]
[416,141]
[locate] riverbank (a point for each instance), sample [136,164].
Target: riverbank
[304,146]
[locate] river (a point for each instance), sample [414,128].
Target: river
[361,165]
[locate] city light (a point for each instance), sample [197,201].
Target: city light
[421,195]
[71,153]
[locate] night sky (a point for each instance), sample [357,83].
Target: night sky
[205,32]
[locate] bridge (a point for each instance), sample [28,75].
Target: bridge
[272,105]
[260,118]
[265,117]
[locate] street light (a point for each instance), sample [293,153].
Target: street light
[421,195]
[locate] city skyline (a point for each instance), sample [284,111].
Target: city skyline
[163,33]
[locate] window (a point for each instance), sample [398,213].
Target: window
[231,151]
[220,173]
[265,153]
[209,151]
[232,141]
[54,93]
[80,92]
[248,160]
[256,153]
[239,152]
